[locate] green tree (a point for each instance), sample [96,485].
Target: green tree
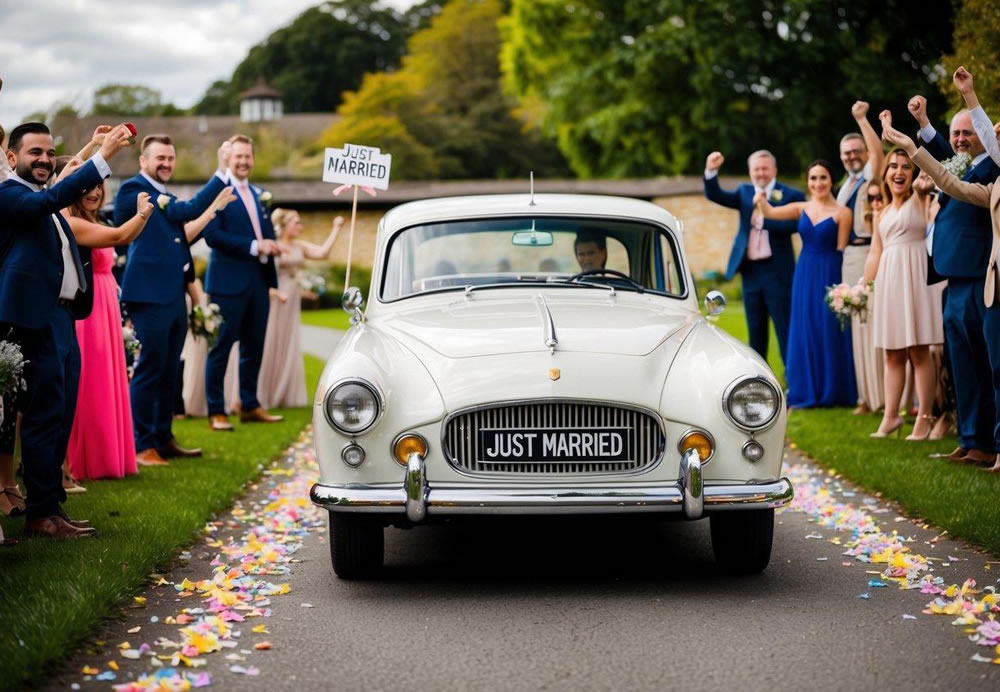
[323,52]
[647,87]
[444,112]
[977,47]
[130,100]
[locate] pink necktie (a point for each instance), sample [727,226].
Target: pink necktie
[251,206]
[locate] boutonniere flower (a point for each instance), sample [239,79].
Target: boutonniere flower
[958,165]
[266,197]
[776,195]
[162,201]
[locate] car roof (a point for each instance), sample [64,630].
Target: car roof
[478,206]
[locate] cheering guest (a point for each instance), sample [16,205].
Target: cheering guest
[766,263]
[158,270]
[282,381]
[43,288]
[101,444]
[907,311]
[861,154]
[240,273]
[961,244]
[820,368]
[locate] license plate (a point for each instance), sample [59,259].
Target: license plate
[597,444]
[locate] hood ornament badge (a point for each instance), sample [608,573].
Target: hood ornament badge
[555,374]
[551,340]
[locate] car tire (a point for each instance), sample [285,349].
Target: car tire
[741,541]
[357,545]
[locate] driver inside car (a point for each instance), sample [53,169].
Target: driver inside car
[591,248]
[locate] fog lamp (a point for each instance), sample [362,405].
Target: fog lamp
[699,441]
[353,455]
[407,444]
[753,451]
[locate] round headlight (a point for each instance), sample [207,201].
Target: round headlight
[352,407]
[752,403]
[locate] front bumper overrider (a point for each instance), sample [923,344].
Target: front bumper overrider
[414,498]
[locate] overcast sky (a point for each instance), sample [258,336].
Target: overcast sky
[62,50]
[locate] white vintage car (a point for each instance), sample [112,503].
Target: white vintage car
[536,355]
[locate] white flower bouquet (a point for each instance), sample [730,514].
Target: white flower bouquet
[958,165]
[206,322]
[846,301]
[312,283]
[12,364]
[131,342]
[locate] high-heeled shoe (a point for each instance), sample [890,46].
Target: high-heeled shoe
[861,410]
[16,500]
[913,437]
[941,427]
[897,428]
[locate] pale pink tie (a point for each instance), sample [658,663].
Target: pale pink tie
[759,245]
[251,205]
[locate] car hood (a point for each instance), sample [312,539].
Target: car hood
[626,324]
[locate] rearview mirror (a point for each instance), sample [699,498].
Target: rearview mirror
[532,238]
[715,303]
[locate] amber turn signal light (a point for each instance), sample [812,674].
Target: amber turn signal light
[698,441]
[407,444]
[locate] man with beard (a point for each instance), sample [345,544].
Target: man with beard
[863,158]
[960,248]
[43,288]
[156,275]
[240,272]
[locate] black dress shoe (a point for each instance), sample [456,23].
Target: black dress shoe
[172,450]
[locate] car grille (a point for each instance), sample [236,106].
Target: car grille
[644,439]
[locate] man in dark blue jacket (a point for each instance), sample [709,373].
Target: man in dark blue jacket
[240,272]
[44,287]
[762,250]
[156,274]
[960,248]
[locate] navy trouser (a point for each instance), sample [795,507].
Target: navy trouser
[48,406]
[161,330]
[245,321]
[767,291]
[964,325]
[991,333]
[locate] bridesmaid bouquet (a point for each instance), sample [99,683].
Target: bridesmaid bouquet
[846,301]
[312,283]
[131,342]
[12,364]
[206,321]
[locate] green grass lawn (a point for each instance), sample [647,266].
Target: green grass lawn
[333,318]
[54,593]
[961,499]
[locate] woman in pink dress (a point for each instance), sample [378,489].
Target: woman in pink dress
[101,444]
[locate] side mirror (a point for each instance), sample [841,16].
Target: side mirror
[715,303]
[351,302]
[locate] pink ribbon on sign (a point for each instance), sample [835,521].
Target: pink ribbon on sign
[369,190]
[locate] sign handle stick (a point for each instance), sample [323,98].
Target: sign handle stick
[350,239]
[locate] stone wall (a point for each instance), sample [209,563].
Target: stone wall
[708,232]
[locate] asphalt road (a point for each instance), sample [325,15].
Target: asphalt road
[590,604]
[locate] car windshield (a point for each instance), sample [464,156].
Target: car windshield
[627,255]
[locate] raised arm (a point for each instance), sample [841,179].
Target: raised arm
[90,234]
[192,229]
[786,212]
[876,156]
[713,191]
[980,121]
[314,251]
[971,193]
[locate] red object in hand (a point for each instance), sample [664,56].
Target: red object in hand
[132,131]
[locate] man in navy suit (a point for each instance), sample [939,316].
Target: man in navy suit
[762,251]
[960,248]
[240,272]
[156,275]
[44,287]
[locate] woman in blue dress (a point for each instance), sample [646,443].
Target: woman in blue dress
[820,363]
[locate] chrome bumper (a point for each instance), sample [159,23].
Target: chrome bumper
[416,499]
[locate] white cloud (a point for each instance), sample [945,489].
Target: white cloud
[57,51]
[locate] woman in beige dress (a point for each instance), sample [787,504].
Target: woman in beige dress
[906,311]
[282,380]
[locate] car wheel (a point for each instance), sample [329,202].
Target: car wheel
[356,545]
[741,541]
